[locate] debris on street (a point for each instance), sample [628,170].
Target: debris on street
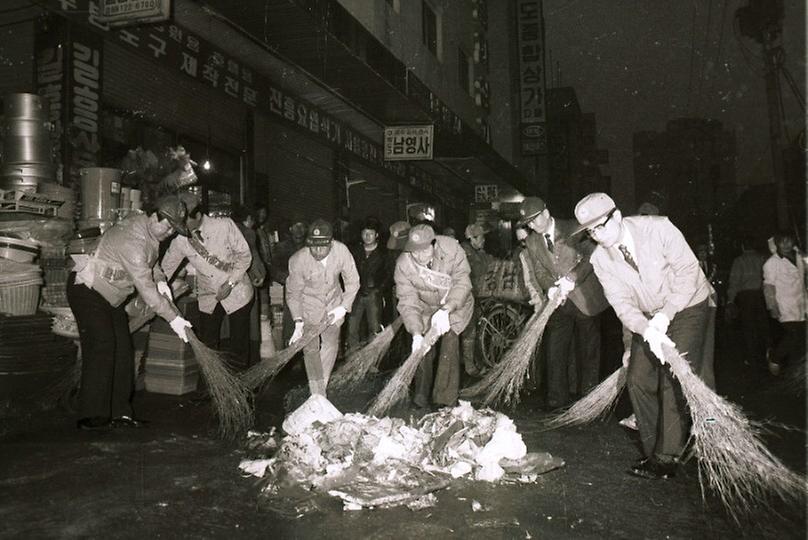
[384,462]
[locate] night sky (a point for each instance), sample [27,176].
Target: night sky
[630,63]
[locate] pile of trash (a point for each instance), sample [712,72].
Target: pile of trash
[385,462]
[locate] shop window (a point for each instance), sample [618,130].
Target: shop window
[464,70]
[429,23]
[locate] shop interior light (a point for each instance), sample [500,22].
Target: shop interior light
[206,164]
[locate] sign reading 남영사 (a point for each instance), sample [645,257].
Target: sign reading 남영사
[408,142]
[129,12]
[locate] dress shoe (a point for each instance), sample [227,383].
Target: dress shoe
[94,423]
[128,422]
[654,469]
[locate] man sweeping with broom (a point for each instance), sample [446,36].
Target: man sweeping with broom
[314,296]
[434,290]
[125,261]
[653,281]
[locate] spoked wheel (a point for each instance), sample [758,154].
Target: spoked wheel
[499,326]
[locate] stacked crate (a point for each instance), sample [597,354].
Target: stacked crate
[170,364]
[53,261]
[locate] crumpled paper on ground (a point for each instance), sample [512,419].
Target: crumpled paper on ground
[370,461]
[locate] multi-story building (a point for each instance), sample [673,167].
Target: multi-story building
[290,98]
[574,158]
[687,171]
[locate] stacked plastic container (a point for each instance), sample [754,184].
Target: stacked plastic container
[20,279]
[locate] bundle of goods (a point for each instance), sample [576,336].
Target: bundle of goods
[54,266]
[19,287]
[22,202]
[30,355]
[504,280]
[384,462]
[171,367]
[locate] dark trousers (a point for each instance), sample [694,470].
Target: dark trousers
[569,327]
[210,327]
[754,324]
[468,340]
[656,396]
[107,360]
[367,306]
[443,383]
[791,346]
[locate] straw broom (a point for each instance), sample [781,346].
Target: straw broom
[354,370]
[399,383]
[733,461]
[599,401]
[230,398]
[504,382]
[267,368]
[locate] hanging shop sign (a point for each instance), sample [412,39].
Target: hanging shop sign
[118,13]
[532,118]
[50,47]
[486,193]
[403,143]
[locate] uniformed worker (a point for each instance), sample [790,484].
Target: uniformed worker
[314,295]
[124,262]
[434,290]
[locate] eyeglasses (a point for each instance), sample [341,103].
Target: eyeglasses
[599,227]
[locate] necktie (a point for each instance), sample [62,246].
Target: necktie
[629,259]
[549,242]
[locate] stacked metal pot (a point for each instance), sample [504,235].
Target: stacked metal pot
[26,135]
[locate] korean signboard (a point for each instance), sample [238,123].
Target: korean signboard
[530,30]
[68,73]
[129,12]
[408,142]
[486,193]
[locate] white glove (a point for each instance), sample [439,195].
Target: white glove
[165,290]
[565,284]
[440,321]
[660,321]
[178,324]
[336,314]
[656,340]
[298,333]
[417,340]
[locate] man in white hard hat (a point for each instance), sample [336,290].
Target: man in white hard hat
[653,281]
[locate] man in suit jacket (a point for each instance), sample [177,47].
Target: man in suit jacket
[556,258]
[654,282]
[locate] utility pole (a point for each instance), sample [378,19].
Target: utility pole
[762,20]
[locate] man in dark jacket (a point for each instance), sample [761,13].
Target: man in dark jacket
[371,261]
[279,269]
[479,262]
[556,258]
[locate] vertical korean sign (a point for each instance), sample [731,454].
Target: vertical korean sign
[68,73]
[530,30]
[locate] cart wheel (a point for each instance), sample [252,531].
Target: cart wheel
[497,330]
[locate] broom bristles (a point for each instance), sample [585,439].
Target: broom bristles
[230,398]
[354,370]
[267,368]
[733,461]
[398,385]
[504,382]
[61,389]
[596,404]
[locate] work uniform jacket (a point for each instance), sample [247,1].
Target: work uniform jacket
[227,259]
[313,289]
[669,278]
[124,261]
[422,291]
[545,268]
[786,279]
